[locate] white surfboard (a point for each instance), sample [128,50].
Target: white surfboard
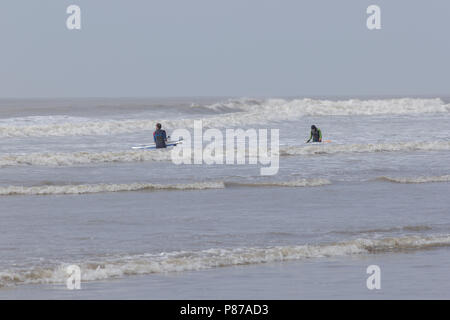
[153,145]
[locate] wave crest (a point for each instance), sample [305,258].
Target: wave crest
[51,189]
[220,257]
[365,148]
[82,158]
[103,187]
[246,112]
[314,182]
[430,179]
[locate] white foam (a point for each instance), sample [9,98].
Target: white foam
[315,107]
[137,186]
[429,179]
[365,148]
[214,258]
[248,112]
[314,182]
[82,158]
[103,187]
[41,120]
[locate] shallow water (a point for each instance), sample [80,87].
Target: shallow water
[73,192]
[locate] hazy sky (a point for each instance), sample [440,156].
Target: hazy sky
[160,48]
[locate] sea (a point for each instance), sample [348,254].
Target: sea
[375,195]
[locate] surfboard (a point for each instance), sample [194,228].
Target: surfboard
[153,145]
[324,141]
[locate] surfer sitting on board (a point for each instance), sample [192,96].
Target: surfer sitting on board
[160,137]
[316,134]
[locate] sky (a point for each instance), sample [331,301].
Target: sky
[259,48]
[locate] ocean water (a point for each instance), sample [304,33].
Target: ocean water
[73,192]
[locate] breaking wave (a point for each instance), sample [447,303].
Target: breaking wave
[82,157]
[245,112]
[314,182]
[79,158]
[444,178]
[114,267]
[314,107]
[103,187]
[365,148]
[52,189]
[412,228]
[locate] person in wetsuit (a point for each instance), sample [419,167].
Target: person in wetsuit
[316,134]
[160,137]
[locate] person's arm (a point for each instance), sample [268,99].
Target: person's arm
[154,138]
[320,135]
[164,135]
[310,137]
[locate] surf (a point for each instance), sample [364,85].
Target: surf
[331,148]
[61,159]
[414,180]
[78,189]
[243,112]
[182,261]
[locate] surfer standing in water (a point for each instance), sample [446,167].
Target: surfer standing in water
[160,137]
[316,135]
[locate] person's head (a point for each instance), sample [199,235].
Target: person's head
[158,126]
[313,127]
